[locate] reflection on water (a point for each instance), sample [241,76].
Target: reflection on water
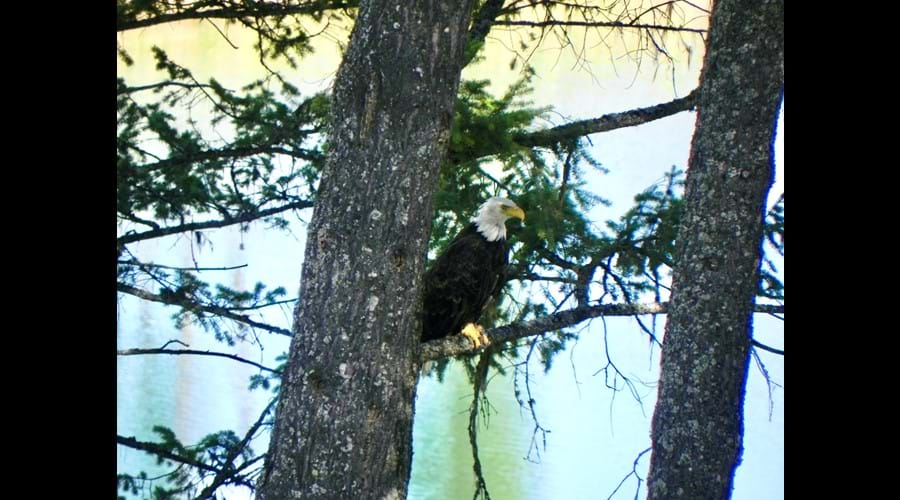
[592,442]
[583,457]
[594,434]
[196,396]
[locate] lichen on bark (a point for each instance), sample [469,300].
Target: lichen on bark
[344,421]
[697,426]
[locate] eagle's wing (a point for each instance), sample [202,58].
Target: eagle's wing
[460,283]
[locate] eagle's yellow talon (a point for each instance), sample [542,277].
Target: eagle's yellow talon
[469,275]
[475,333]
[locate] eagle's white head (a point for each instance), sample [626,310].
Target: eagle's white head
[492,215]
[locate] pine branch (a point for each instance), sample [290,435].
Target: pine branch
[159,85]
[237,152]
[205,10]
[212,224]
[482,22]
[457,345]
[194,306]
[134,218]
[555,259]
[162,452]
[227,471]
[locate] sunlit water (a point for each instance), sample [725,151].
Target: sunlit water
[594,433]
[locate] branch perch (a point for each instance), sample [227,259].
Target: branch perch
[456,345]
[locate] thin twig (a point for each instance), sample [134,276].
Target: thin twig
[212,224]
[139,351]
[764,347]
[194,306]
[162,452]
[598,24]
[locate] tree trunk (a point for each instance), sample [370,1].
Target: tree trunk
[344,420]
[698,422]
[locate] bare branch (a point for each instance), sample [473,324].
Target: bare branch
[135,352]
[173,341]
[193,306]
[571,131]
[605,123]
[770,384]
[634,473]
[479,387]
[222,34]
[597,24]
[531,404]
[769,309]
[616,374]
[162,266]
[159,85]
[764,347]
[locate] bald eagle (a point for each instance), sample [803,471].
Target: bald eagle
[470,272]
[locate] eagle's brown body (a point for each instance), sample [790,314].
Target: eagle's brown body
[462,282]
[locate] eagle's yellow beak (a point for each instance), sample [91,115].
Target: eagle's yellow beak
[514,212]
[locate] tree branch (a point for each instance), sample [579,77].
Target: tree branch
[237,152]
[531,402]
[134,218]
[570,131]
[479,387]
[482,22]
[556,260]
[162,452]
[227,471]
[634,472]
[257,9]
[768,308]
[457,345]
[154,86]
[162,266]
[135,352]
[764,347]
[605,123]
[193,306]
[597,24]
[212,224]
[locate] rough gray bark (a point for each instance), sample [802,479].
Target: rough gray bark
[697,428]
[344,418]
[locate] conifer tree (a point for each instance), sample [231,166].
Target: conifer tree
[267,151]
